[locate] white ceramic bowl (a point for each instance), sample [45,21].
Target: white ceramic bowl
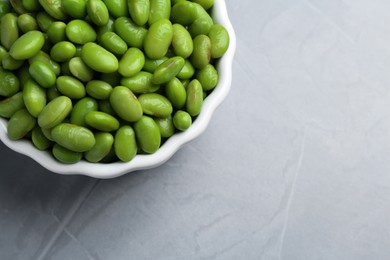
[173,144]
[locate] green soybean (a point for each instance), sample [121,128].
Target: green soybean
[39,140]
[98,89]
[31,5]
[97,12]
[113,78]
[101,121]
[102,147]
[3,53]
[148,134]
[55,112]
[27,22]
[187,71]
[20,123]
[139,11]
[182,120]
[105,106]
[206,4]
[182,41]
[44,57]
[176,93]
[219,38]
[63,51]
[9,31]
[184,13]
[142,82]
[80,70]
[44,20]
[9,83]
[98,58]
[53,8]
[10,63]
[159,9]
[17,6]
[202,51]
[113,43]
[168,70]
[125,143]
[125,104]
[208,77]
[43,74]
[27,45]
[11,104]
[75,8]
[152,64]
[165,125]
[154,104]
[65,155]
[34,97]
[4,8]
[56,31]
[80,109]
[194,101]
[70,87]
[158,39]
[117,8]
[131,62]
[131,33]
[80,32]
[52,93]
[73,137]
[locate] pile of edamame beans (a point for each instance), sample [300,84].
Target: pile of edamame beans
[105,80]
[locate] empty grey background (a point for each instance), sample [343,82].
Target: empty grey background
[294,165]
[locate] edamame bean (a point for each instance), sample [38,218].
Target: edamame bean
[125,104]
[53,8]
[65,155]
[147,134]
[55,112]
[43,74]
[80,32]
[27,46]
[10,105]
[27,23]
[151,64]
[102,147]
[184,13]
[44,20]
[113,43]
[139,11]
[63,51]
[154,104]
[3,53]
[117,8]
[219,38]
[4,8]
[9,83]
[80,109]
[202,23]
[101,121]
[99,89]
[140,83]
[158,39]
[39,140]
[75,8]
[31,5]
[9,31]
[108,27]
[159,9]
[23,75]
[80,70]
[182,120]
[187,71]
[20,124]
[44,57]
[98,58]
[52,93]
[176,93]
[105,106]
[125,143]
[194,101]
[113,78]
[131,62]
[73,137]
[10,63]
[56,31]
[97,12]
[70,87]
[34,97]
[182,41]
[130,32]
[206,4]
[208,77]
[202,51]
[18,6]
[168,70]
[165,125]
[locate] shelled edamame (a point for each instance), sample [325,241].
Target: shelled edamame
[104,80]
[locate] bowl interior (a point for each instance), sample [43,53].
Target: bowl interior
[166,151]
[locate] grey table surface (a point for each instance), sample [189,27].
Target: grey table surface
[294,165]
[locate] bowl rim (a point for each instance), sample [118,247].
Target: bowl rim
[170,146]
